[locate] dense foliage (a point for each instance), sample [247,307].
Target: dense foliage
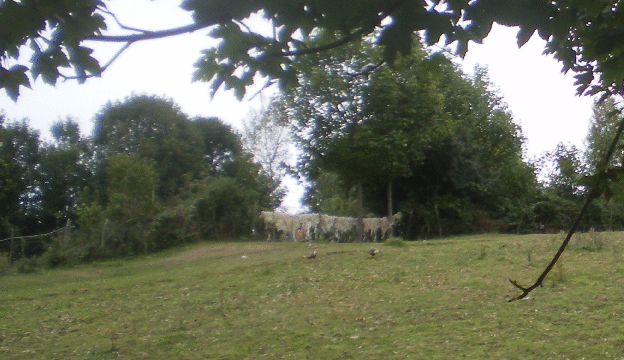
[148,178]
[459,155]
[420,137]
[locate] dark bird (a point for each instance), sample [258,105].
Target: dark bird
[312,255]
[373,251]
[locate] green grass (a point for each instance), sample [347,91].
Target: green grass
[439,299]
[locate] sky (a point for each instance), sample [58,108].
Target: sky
[541,99]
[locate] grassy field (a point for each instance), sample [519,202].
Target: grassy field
[439,299]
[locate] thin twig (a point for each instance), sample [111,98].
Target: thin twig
[103,68]
[367,69]
[108,12]
[268,83]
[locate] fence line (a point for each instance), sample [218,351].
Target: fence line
[22,239]
[32,236]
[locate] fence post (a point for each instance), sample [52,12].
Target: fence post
[66,235]
[11,249]
[23,243]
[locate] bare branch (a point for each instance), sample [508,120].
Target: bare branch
[103,68]
[268,83]
[106,11]
[368,69]
[338,43]
[243,25]
[127,45]
[148,35]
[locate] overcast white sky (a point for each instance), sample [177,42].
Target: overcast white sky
[541,99]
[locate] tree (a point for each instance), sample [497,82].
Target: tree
[584,35]
[131,202]
[11,185]
[330,196]
[266,135]
[21,146]
[560,172]
[221,145]
[328,112]
[603,126]
[64,172]
[228,204]
[469,168]
[156,129]
[90,219]
[403,108]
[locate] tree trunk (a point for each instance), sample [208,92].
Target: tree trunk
[11,249]
[390,209]
[437,215]
[410,223]
[610,216]
[66,234]
[360,210]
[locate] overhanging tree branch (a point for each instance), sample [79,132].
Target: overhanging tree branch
[106,11]
[131,38]
[332,45]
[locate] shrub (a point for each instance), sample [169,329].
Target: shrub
[169,228]
[591,241]
[395,242]
[26,266]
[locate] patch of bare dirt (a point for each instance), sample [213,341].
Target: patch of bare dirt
[211,251]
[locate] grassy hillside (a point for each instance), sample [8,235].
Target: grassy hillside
[440,299]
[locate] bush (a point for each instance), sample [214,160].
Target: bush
[591,241]
[169,229]
[4,262]
[395,242]
[26,266]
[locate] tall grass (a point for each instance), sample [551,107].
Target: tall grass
[443,299]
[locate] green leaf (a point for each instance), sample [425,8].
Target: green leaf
[524,35]
[44,65]
[12,79]
[83,62]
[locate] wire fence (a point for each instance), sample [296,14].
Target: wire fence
[18,243]
[33,237]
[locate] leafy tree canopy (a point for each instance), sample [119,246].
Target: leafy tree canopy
[221,145]
[586,36]
[603,126]
[153,128]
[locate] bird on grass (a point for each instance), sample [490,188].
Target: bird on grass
[312,255]
[373,251]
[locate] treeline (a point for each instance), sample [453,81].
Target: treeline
[147,178]
[421,138]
